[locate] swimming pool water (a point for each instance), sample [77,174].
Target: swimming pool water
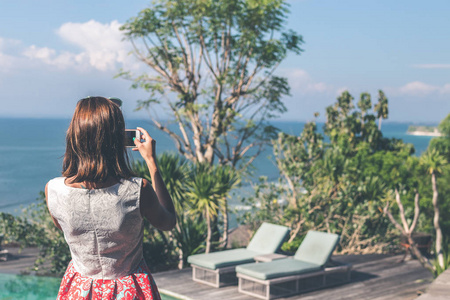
[14,287]
[25,287]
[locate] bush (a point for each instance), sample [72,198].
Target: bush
[35,228]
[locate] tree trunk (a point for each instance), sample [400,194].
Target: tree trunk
[406,230]
[423,261]
[293,200]
[215,232]
[379,123]
[437,227]
[295,232]
[180,250]
[225,226]
[180,259]
[209,233]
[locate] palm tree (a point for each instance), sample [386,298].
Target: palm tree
[364,104]
[209,187]
[435,163]
[381,108]
[175,173]
[205,196]
[188,234]
[226,179]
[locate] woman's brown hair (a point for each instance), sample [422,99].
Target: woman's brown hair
[95,142]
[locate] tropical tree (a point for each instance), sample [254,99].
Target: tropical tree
[226,179]
[407,229]
[212,66]
[442,144]
[405,176]
[204,197]
[188,236]
[381,108]
[335,181]
[364,104]
[434,164]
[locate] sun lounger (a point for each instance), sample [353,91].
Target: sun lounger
[310,268]
[218,268]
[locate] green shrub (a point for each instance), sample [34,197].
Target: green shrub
[35,228]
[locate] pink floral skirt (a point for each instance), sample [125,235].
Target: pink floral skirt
[138,285]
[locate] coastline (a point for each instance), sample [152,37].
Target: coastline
[45,146]
[424,133]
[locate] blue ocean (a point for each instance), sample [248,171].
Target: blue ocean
[31,153]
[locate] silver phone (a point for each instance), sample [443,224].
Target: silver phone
[129,135]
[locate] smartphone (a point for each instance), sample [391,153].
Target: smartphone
[129,135]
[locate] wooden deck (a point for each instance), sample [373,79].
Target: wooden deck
[373,277]
[19,261]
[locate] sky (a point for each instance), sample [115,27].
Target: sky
[55,52]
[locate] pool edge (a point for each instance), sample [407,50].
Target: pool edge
[175,295]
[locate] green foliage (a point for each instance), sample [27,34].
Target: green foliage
[444,126]
[441,146]
[381,108]
[35,228]
[197,190]
[433,161]
[438,269]
[189,236]
[345,179]
[158,251]
[212,65]
[338,181]
[162,250]
[208,189]
[264,206]
[209,186]
[204,191]
[291,247]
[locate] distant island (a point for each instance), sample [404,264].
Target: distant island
[423,130]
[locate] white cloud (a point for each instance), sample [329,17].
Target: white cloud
[301,82]
[45,54]
[8,43]
[445,89]
[101,48]
[6,62]
[92,35]
[7,49]
[417,88]
[432,66]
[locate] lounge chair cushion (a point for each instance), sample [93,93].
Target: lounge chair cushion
[268,238]
[277,268]
[317,247]
[223,259]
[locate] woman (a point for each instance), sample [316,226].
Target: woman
[100,206]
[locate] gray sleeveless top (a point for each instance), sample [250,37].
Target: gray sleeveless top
[103,227]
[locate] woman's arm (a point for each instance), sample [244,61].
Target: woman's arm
[46,201]
[156,202]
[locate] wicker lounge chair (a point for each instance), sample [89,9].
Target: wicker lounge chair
[310,268]
[218,268]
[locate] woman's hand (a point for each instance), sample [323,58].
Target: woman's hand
[147,148]
[156,202]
